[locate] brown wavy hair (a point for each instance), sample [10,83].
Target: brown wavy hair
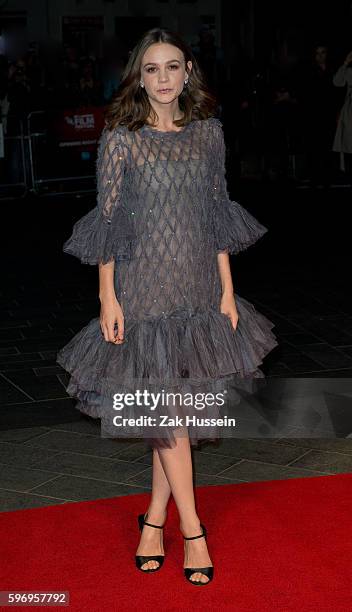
[130,104]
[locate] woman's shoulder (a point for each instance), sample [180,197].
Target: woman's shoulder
[113,136]
[214,130]
[113,141]
[212,124]
[112,131]
[212,121]
[210,128]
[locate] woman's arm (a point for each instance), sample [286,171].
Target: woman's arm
[103,236]
[225,273]
[110,309]
[106,280]
[110,167]
[228,304]
[234,228]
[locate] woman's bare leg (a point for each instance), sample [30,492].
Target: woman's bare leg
[177,465]
[151,542]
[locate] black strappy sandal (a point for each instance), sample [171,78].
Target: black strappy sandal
[207,571]
[142,559]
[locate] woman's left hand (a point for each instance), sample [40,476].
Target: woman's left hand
[228,308]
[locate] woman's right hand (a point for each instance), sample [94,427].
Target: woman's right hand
[110,314]
[348,59]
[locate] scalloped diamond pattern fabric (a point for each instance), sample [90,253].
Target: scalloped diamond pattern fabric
[163,214]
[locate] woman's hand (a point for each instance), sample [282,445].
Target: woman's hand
[110,314]
[228,307]
[348,59]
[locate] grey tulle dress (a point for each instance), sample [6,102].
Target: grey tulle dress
[163,214]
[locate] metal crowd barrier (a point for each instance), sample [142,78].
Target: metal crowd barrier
[55,170]
[35,157]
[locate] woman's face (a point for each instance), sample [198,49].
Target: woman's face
[163,72]
[321,55]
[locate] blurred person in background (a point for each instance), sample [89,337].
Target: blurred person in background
[280,129]
[4,100]
[90,87]
[112,74]
[19,91]
[210,59]
[343,136]
[36,77]
[4,109]
[317,97]
[19,105]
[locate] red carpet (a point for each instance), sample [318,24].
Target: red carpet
[276,546]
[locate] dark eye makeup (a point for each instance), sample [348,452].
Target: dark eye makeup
[152,68]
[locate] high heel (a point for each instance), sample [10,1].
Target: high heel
[142,559]
[207,571]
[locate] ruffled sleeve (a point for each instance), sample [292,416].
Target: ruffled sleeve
[106,232]
[234,228]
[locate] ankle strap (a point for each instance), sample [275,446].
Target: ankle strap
[150,525]
[197,536]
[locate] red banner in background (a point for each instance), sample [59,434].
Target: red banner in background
[79,128]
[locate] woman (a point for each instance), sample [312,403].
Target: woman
[164,216]
[343,136]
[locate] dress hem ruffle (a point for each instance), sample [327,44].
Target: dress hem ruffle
[195,350]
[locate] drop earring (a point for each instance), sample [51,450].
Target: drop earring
[141,84]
